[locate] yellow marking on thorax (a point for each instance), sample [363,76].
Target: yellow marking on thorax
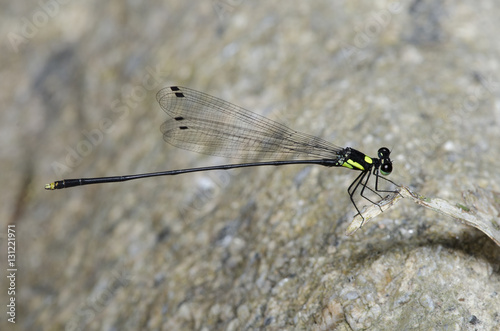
[354,165]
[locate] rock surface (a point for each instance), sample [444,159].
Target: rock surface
[253,248]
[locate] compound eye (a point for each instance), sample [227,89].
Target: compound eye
[383,153]
[386,168]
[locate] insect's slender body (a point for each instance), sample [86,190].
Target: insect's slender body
[208,125]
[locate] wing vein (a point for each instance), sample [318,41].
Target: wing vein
[209,125]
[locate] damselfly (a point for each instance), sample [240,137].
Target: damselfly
[206,124]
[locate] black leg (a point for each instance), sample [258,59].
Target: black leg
[355,183]
[361,180]
[365,185]
[377,176]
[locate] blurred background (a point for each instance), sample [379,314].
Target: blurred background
[253,248]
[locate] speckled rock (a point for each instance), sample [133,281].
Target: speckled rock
[254,248]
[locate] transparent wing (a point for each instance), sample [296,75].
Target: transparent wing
[208,125]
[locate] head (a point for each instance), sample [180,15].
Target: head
[385,161]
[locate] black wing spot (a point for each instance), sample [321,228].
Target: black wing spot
[174,88]
[178,118]
[179,94]
[183,127]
